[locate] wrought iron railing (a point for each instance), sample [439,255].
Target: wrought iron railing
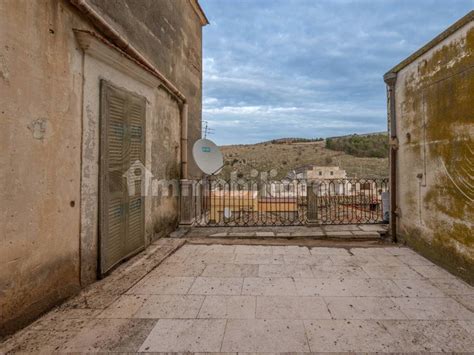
[281,203]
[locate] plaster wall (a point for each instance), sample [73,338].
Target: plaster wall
[162,155]
[169,34]
[49,129]
[434,98]
[40,156]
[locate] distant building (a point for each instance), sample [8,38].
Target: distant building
[312,173]
[319,172]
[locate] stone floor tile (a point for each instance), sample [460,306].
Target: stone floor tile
[373,288]
[162,286]
[352,260]
[433,312]
[341,228]
[340,234]
[217,286]
[228,307]
[468,325]
[219,235]
[37,342]
[433,308]
[60,320]
[253,249]
[413,260]
[285,270]
[370,308]
[369,251]
[182,335]
[348,336]
[125,307]
[189,249]
[399,251]
[177,258]
[432,271]
[391,272]
[388,260]
[241,234]
[111,335]
[322,287]
[258,259]
[230,270]
[290,307]
[268,286]
[214,258]
[180,254]
[453,286]
[373,227]
[429,336]
[329,251]
[366,234]
[170,306]
[185,268]
[290,250]
[329,271]
[419,288]
[264,234]
[320,260]
[200,249]
[262,335]
[221,248]
[466,300]
[308,234]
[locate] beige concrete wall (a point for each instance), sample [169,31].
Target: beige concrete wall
[158,28]
[435,171]
[49,95]
[162,147]
[40,156]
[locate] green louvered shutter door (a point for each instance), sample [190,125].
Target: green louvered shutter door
[136,211]
[121,215]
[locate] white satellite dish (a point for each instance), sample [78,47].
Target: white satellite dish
[207,156]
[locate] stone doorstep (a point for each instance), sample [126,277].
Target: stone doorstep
[304,234]
[102,293]
[321,232]
[366,234]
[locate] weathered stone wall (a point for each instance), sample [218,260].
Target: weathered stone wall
[435,170]
[40,156]
[49,139]
[169,33]
[162,157]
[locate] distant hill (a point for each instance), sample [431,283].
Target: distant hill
[287,154]
[365,145]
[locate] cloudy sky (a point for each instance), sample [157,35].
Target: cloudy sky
[309,68]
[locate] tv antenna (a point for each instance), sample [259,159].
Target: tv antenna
[207,130]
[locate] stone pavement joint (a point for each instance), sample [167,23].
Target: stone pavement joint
[263,298]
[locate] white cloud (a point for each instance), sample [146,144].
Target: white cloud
[309,68]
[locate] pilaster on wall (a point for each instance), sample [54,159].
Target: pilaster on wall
[186,203]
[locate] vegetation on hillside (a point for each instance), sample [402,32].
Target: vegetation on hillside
[294,140]
[369,145]
[284,158]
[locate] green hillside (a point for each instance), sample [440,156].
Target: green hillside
[284,156]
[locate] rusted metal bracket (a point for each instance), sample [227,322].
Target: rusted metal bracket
[394,143]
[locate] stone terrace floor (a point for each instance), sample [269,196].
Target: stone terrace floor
[254,298]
